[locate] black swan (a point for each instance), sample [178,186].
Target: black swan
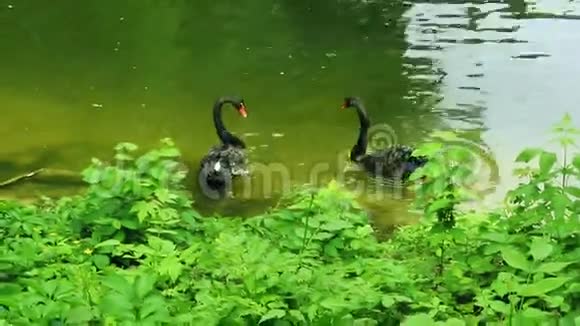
[395,162]
[227,160]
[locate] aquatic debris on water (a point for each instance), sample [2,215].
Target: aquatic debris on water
[250,134]
[277,134]
[530,55]
[97,105]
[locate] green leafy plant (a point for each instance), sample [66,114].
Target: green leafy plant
[132,250]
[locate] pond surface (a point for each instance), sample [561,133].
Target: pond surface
[79,78]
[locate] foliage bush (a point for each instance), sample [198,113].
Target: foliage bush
[132,250]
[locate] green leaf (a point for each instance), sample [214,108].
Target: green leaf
[496,237]
[418,320]
[130,223]
[528,154]
[542,287]
[559,203]
[438,205]
[454,322]
[500,306]
[365,322]
[91,175]
[153,304]
[533,313]
[79,315]
[574,288]
[118,305]
[574,191]
[428,149]
[128,147]
[110,242]
[333,303]
[144,209]
[144,283]
[154,307]
[169,152]
[165,196]
[551,268]
[336,225]
[515,259]
[554,301]
[388,301]
[172,267]
[296,314]
[273,314]
[117,283]
[9,289]
[540,248]
[576,162]
[101,261]
[161,231]
[331,250]
[123,157]
[116,224]
[547,161]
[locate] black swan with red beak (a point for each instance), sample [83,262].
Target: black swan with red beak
[395,162]
[228,160]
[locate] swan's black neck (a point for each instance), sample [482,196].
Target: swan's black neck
[226,137]
[360,148]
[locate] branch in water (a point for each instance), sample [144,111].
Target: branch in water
[20,178]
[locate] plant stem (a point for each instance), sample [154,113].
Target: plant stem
[565,164]
[307,221]
[441,258]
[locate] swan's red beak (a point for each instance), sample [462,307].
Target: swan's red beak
[243,111]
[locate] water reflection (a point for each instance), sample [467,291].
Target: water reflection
[508,73]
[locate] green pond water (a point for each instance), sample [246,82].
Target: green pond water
[78,77]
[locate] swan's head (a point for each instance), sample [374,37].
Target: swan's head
[236,101]
[240,105]
[350,101]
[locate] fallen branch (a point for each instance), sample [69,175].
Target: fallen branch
[20,178]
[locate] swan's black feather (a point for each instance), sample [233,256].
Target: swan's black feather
[395,162]
[232,159]
[221,165]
